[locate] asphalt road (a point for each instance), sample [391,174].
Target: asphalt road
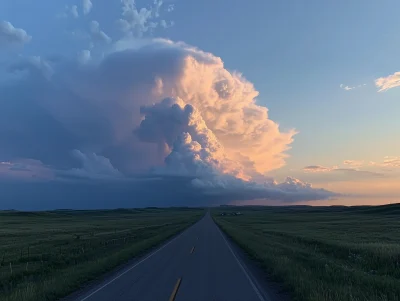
[198,265]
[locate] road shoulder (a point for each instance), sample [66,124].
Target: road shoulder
[269,289]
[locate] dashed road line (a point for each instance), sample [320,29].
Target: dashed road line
[132,267]
[175,291]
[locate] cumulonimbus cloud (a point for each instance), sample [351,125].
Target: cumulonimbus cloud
[149,106]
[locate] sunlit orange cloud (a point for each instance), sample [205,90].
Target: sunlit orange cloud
[388,82]
[226,101]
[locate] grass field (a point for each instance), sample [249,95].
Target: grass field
[323,254]
[47,255]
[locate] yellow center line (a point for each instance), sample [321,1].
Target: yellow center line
[175,291]
[191,251]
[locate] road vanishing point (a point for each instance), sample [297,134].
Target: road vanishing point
[200,264]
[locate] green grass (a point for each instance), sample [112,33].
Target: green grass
[47,255]
[323,254]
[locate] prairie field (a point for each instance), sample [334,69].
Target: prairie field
[322,253]
[47,255]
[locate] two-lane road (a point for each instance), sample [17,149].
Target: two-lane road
[198,265]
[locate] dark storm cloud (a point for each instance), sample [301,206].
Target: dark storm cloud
[149,107]
[133,192]
[48,110]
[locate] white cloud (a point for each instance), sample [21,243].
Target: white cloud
[93,167]
[84,56]
[136,22]
[170,8]
[78,35]
[34,65]
[69,11]
[157,7]
[388,82]
[74,11]
[348,88]
[97,34]
[87,6]
[165,24]
[9,35]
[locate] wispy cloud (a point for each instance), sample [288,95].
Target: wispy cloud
[324,169]
[354,163]
[34,65]
[359,172]
[388,161]
[388,82]
[87,6]
[165,24]
[170,8]
[348,88]
[27,169]
[392,161]
[316,168]
[9,35]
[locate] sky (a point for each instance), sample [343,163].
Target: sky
[129,103]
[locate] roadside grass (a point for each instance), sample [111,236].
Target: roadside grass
[323,254]
[47,255]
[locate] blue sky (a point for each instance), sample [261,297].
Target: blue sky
[314,64]
[297,55]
